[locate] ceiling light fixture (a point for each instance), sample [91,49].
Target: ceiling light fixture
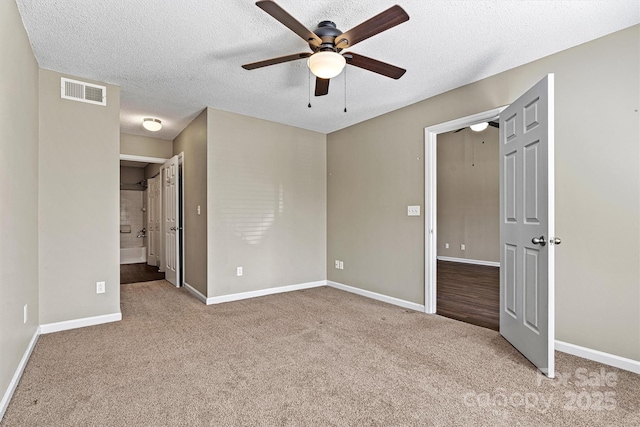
[326,64]
[479,127]
[152,125]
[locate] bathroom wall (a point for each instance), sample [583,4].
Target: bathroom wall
[132,207]
[131,218]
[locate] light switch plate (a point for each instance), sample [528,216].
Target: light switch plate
[413,210]
[239,271]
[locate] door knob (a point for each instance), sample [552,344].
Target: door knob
[539,241]
[172,229]
[555,241]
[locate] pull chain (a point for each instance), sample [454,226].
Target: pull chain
[345,89]
[309,87]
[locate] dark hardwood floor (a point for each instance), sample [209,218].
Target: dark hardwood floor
[134,273]
[469,293]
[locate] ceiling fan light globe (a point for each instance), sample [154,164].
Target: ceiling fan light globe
[326,65]
[479,127]
[152,125]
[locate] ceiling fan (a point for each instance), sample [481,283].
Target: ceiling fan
[327,42]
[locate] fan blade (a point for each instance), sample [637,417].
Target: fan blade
[494,124]
[374,65]
[274,61]
[273,9]
[381,22]
[322,86]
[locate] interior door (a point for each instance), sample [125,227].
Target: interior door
[153,222]
[170,218]
[527,222]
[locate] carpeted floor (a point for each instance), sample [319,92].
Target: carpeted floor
[319,357]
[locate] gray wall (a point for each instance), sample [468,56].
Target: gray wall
[137,145]
[468,194]
[267,204]
[18,192]
[375,173]
[193,142]
[78,203]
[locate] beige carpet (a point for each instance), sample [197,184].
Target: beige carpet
[318,357]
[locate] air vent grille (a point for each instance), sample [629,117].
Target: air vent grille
[84,92]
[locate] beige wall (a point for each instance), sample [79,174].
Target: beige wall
[267,204]
[18,193]
[130,176]
[468,194]
[151,170]
[375,174]
[193,142]
[78,204]
[146,146]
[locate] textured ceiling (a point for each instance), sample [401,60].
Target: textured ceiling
[173,58]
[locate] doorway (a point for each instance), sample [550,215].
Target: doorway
[431,198]
[468,227]
[153,253]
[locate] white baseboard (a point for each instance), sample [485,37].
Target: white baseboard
[469,261]
[4,403]
[263,292]
[599,356]
[79,323]
[377,296]
[196,293]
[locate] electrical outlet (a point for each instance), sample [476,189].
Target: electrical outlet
[463,247]
[100,287]
[337,264]
[446,246]
[413,210]
[25,312]
[239,271]
[198,209]
[341,265]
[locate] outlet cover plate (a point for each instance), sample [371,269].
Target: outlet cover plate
[100,287]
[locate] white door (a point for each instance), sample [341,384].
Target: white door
[527,225]
[170,218]
[153,220]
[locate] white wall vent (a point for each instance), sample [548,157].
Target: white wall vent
[83,91]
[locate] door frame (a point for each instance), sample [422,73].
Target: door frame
[430,196]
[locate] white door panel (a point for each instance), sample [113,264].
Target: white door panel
[527,222]
[153,223]
[170,219]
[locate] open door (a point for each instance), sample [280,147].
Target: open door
[527,225]
[153,221]
[170,219]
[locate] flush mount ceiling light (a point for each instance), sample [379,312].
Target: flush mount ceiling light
[152,125]
[326,64]
[479,127]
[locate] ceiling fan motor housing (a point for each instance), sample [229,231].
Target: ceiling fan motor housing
[327,31]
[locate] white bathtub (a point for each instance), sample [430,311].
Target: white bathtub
[133,255]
